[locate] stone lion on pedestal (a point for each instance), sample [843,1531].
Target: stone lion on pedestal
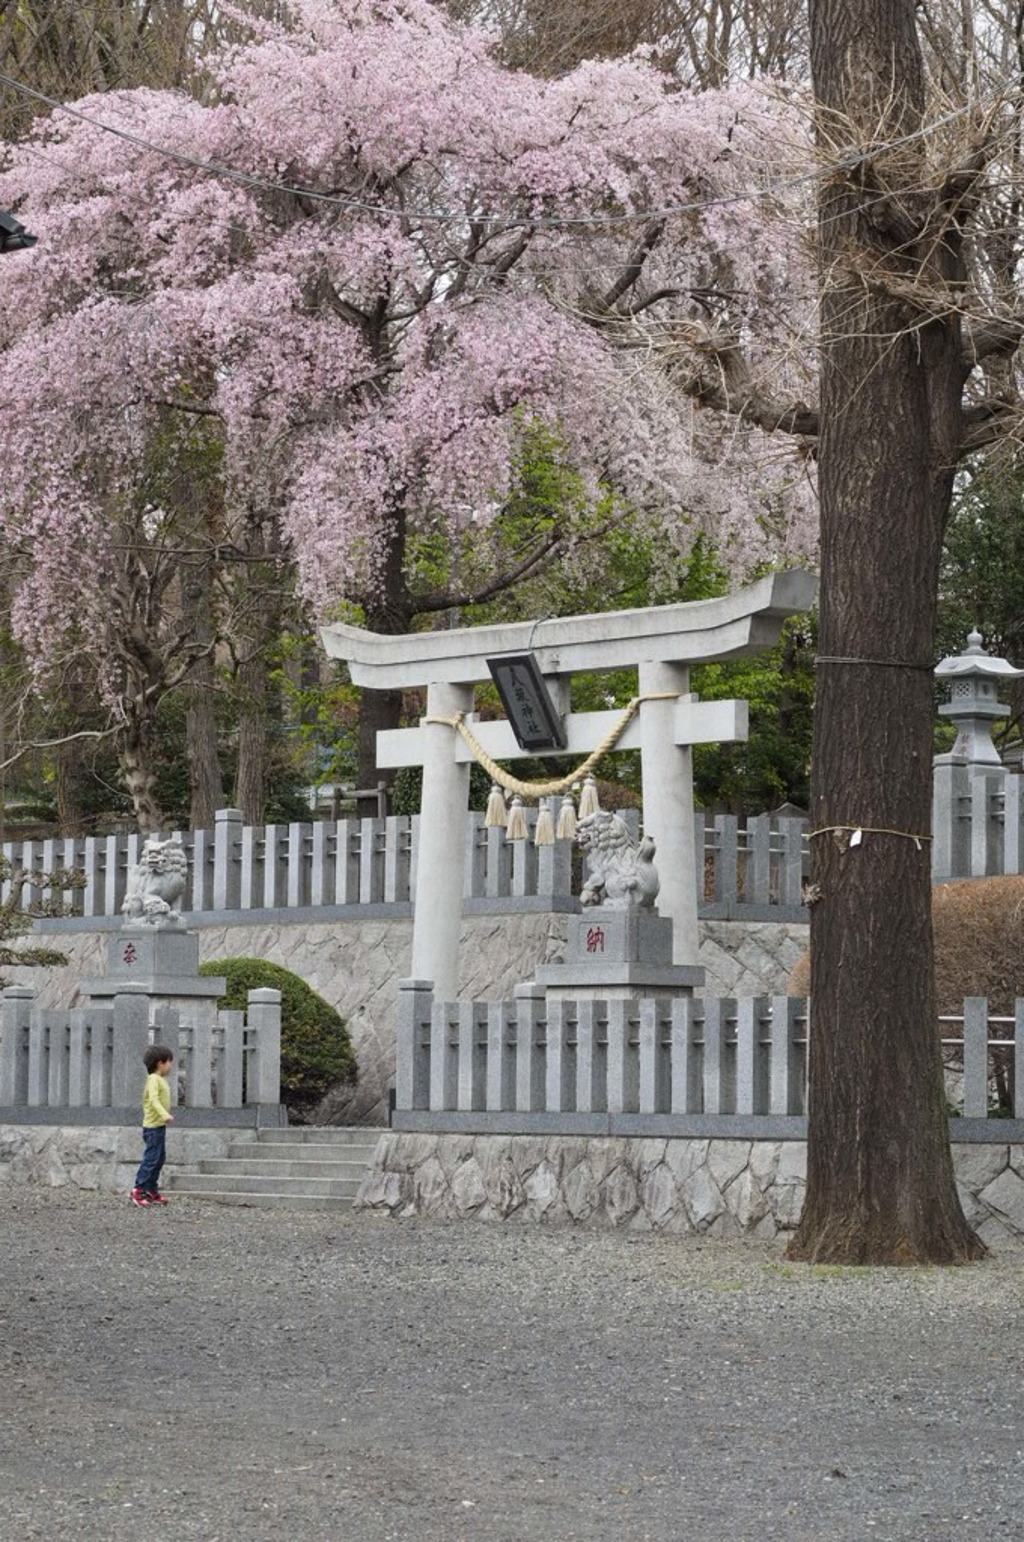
[156,884]
[620,872]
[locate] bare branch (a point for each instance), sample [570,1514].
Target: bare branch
[998,336]
[727,385]
[504,264]
[987,423]
[645,304]
[633,269]
[514,574]
[497,585]
[199,409]
[49,744]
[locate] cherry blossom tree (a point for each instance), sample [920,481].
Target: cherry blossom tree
[369,261]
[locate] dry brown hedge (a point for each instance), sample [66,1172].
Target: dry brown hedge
[979,944]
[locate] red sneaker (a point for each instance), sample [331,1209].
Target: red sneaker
[156,1198]
[137,1197]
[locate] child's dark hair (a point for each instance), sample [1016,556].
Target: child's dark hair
[153,1057]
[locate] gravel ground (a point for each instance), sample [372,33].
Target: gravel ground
[232,1375]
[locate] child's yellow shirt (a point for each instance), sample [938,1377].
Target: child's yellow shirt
[156,1102]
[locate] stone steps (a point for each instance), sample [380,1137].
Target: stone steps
[319,1135]
[300,1167]
[295,1167]
[359,1152]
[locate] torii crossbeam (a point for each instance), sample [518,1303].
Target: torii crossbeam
[662,642]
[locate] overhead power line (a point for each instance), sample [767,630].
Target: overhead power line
[510,220]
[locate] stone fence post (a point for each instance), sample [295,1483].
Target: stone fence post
[16,1017]
[131,1040]
[227,869]
[412,1064]
[263,1016]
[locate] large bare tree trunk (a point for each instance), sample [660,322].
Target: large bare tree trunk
[71,777]
[391,611]
[880,1186]
[251,772]
[138,772]
[378,710]
[258,618]
[202,749]
[205,775]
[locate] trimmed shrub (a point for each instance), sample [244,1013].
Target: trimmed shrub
[316,1052]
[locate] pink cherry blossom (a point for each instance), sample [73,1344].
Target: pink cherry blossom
[381,348]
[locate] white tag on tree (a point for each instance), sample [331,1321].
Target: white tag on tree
[856,837]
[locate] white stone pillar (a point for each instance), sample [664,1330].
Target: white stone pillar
[263,1014]
[667,785]
[440,859]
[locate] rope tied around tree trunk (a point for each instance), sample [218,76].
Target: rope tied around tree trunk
[535,790]
[830,658]
[861,830]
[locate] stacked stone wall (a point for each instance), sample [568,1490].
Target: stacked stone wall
[100,1157]
[721,1188]
[717,1188]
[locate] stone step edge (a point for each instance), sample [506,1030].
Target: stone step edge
[322,1134]
[254,1200]
[284,1181]
[210,1166]
[281,1151]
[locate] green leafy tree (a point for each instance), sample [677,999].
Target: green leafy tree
[773,765]
[981,578]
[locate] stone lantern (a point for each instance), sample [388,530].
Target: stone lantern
[973,704]
[965,779]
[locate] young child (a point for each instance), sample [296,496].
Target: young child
[156,1115]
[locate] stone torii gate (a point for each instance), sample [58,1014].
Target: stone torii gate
[661,642]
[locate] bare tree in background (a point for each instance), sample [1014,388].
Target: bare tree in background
[706,42]
[71,48]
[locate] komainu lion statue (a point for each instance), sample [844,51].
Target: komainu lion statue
[156,884]
[620,873]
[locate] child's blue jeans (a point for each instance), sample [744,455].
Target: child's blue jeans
[153,1157]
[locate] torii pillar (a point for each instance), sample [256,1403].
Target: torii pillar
[662,642]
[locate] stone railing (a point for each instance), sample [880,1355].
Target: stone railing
[752,871]
[978,823]
[711,1067]
[689,1066]
[87,1059]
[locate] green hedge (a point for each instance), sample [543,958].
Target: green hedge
[316,1052]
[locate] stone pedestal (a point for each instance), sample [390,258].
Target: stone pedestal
[615,955]
[161,964]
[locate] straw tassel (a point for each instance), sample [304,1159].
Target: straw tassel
[544,833]
[566,829]
[496,813]
[589,801]
[516,828]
